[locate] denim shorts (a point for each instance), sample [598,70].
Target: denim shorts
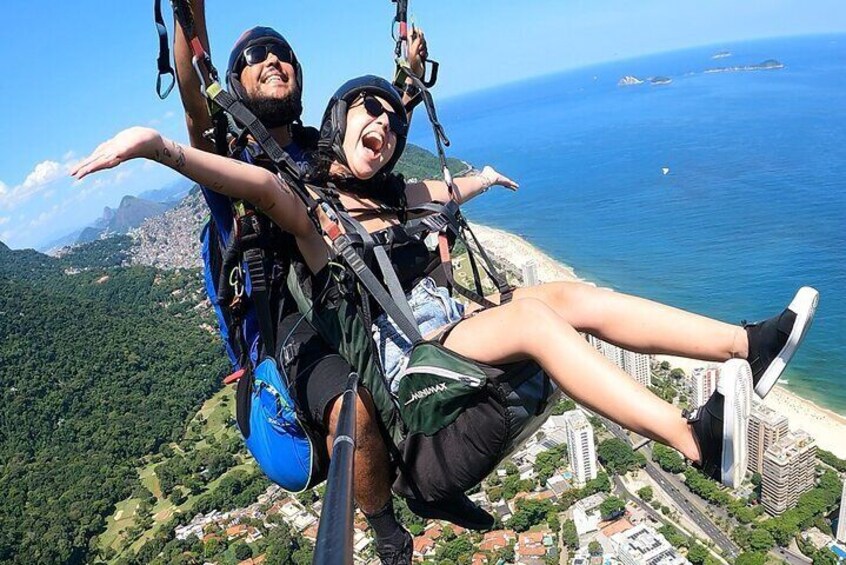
[433,309]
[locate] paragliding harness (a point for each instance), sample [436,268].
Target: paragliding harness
[245,262]
[447,403]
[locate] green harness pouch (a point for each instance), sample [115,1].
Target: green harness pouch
[436,386]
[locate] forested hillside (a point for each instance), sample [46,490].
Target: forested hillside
[102,363]
[97,369]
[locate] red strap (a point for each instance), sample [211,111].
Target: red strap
[443,248]
[197,48]
[234,377]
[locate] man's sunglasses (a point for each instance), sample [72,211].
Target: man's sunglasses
[375,109]
[258,53]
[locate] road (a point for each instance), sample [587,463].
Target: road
[790,557]
[683,500]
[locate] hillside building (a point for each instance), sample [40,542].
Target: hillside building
[580,446]
[702,383]
[766,428]
[642,545]
[788,471]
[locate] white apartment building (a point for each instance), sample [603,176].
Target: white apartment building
[788,471]
[766,428]
[530,273]
[638,366]
[642,545]
[580,446]
[702,383]
[635,364]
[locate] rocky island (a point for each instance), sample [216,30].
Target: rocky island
[629,80]
[768,65]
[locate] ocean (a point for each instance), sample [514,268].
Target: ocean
[753,205]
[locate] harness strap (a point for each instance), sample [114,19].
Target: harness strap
[163,61]
[254,258]
[407,325]
[248,120]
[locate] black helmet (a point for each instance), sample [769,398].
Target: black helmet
[334,123]
[255,36]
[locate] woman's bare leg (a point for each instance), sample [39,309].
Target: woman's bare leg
[638,324]
[528,328]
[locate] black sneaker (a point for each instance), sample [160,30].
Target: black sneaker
[459,510]
[773,342]
[396,552]
[719,426]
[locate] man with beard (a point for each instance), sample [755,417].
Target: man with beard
[264,73]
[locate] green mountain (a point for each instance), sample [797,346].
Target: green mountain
[131,212]
[419,163]
[98,368]
[102,364]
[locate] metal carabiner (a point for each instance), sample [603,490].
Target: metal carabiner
[236,281]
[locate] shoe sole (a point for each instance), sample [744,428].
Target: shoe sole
[735,384]
[804,305]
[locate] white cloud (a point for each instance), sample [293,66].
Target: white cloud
[70,155]
[43,173]
[4,220]
[169,114]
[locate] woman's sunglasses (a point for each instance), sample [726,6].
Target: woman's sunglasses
[258,53]
[375,109]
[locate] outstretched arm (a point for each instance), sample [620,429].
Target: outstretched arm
[196,111]
[231,177]
[466,188]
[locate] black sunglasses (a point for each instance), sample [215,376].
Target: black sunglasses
[375,109]
[258,53]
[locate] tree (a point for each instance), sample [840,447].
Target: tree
[751,559]
[697,554]
[564,405]
[645,493]
[612,507]
[668,458]
[756,479]
[569,535]
[824,556]
[594,548]
[618,457]
[242,551]
[760,540]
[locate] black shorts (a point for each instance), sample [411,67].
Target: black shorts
[319,375]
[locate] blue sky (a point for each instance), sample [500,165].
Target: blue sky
[76,73]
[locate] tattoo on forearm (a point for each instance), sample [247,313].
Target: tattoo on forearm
[180,156]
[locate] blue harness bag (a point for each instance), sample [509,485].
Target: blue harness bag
[239,270]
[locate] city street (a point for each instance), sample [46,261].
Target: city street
[720,539]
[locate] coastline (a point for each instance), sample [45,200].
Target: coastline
[824,425]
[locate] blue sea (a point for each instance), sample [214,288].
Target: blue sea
[753,206]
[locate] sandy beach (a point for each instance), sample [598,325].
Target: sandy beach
[826,426]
